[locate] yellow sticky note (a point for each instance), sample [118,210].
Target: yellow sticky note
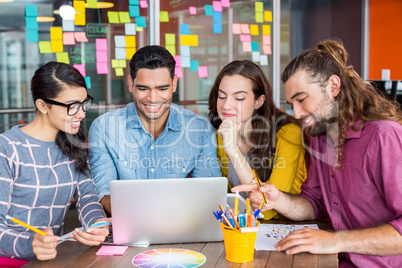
[171,49]
[123,63]
[119,72]
[268,16]
[57,45]
[45,47]
[189,40]
[163,16]
[266,29]
[130,40]
[259,17]
[129,52]
[138,29]
[92,3]
[80,19]
[170,39]
[63,57]
[259,6]
[124,17]
[56,33]
[254,29]
[115,63]
[113,16]
[79,6]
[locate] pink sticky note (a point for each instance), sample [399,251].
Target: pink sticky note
[68,38]
[178,72]
[80,37]
[101,44]
[225,3]
[143,4]
[266,39]
[80,68]
[245,38]
[193,10]
[203,71]
[177,58]
[101,68]
[245,28]
[101,56]
[217,6]
[267,49]
[247,46]
[112,250]
[236,28]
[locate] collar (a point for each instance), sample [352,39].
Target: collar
[350,133]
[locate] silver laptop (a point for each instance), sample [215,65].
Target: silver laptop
[162,211]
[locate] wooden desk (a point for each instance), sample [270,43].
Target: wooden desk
[75,254]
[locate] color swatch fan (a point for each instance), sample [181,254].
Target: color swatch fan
[168,257]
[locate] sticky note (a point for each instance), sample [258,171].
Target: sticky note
[56,33]
[245,29]
[92,3]
[120,41]
[80,68]
[266,29]
[268,16]
[171,49]
[184,29]
[217,6]
[134,11]
[185,51]
[192,10]
[202,71]
[101,56]
[225,3]
[189,40]
[31,23]
[31,10]
[178,71]
[68,38]
[80,37]
[57,45]
[266,39]
[185,62]
[267,49]
[143,4]
[124,17]
[255,56]
[134,2]
[112,250]
[68,25]
[170,39]
[129,29]
[102,68]
[32,35]
[113,17]
[245,38]
[163,16]
[246,46]
[217,27]
[88,82]
[119,72]
[194,65]
[264,60]
[120,53]
[130,41]
[138,29]
[129,53]
[101,44]
[254,46]
[177,58]
[209,10]
[62,57]
[80,19]
[217,17]
[45,47]
[254,29]
[259,6]
[141,22]
[79,6]
[259,17]
[115,63]
[236,28]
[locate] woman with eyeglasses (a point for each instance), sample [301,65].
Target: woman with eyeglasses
[43,165]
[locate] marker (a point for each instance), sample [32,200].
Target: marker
[248,206]
[26,225]
[99,224]
[237,204]
[259,185]
[242,220]
[233,216]
[257,212]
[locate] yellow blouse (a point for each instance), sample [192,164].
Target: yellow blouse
[289,171]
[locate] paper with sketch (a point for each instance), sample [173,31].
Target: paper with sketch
[270,234]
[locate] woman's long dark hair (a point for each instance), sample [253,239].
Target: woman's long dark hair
[47,83]
[267,119]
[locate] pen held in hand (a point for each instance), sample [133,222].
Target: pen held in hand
[259,186]
[26,225]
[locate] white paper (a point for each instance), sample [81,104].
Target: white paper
[270,234]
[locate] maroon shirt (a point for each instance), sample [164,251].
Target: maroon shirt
[366,191]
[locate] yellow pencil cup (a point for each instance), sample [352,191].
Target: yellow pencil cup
[239,246]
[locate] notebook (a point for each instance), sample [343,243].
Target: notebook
[161,211]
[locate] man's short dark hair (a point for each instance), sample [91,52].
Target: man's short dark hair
[152,57]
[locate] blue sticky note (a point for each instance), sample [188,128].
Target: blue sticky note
[209,10]
[194,66]
[31,10]
[134,11]
[32,35]
[185,51]
[184,29]
[217,17]
[254,46]
[185,62]
[31,23]
[88,81]
[134,2]
[217,27]
[141,22]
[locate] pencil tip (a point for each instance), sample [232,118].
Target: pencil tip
[8,217]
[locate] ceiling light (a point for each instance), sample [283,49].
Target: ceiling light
[67,12]
[3,1]
[101,5]
[45,19]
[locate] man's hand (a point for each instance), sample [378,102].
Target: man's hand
[107,207]
[44,247]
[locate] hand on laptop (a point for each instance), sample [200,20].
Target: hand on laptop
[92,236]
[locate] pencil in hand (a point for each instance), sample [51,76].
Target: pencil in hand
[26,225]
[259,186]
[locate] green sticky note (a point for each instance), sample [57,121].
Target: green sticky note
[122,63]
[45,47]
[124,17]
[92,3]
[259,6]
[163,16]
[170,39]
[115,63]
[63,57]
[171,49]
[119,72]
[259,17]
[113,16]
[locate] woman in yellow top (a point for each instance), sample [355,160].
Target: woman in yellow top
[253,133]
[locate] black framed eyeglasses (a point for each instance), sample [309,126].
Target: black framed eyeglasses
[73,108]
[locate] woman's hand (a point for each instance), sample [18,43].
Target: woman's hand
[92,236]
[228,131]
[44,247]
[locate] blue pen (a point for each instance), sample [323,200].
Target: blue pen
[242,220]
